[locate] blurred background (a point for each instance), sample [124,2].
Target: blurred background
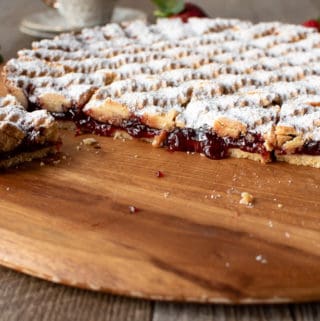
[295,11]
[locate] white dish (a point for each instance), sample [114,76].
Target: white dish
[49,23]
[37,33]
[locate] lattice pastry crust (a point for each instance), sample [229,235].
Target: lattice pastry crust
[222,87]
[24,135]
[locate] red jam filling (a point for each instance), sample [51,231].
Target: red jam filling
[309,148]
[185,139]
[180,139]
[213,146]
[133,127]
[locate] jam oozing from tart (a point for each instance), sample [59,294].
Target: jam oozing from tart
[211,145]
[188,139]
[133,127]
[185,139]
[180,139]
[310,147]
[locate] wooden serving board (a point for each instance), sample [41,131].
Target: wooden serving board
[190,239]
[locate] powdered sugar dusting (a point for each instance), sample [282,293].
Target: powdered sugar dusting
[16,124]
[203,70]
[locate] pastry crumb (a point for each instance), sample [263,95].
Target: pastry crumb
[166,194]
[260,258]
[232,190]
[246,199]
[117,135]
[280,205]
[91,142]
[215,196]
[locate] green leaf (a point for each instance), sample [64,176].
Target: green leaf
[168,7]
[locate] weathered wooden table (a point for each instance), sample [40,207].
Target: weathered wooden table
[26,298]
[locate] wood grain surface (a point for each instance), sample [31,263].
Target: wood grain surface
[190,239]
[26,298]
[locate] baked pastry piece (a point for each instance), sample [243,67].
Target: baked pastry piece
[25,135]
[215,86]
[238,125]
[298,131]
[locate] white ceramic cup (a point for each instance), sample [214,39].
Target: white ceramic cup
[81,13]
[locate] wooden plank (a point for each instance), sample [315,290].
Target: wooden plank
[25,298]
[185,312]
[188,312]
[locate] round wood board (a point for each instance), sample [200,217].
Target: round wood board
[189,239]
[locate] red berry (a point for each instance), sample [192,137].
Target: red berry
[190,10]
[312,24]
[159,174]
[133,209]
